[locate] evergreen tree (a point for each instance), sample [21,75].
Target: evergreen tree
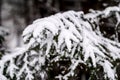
[65,46]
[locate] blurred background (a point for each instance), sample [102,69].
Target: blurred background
[15,15]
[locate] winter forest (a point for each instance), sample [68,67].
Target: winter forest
[59,39]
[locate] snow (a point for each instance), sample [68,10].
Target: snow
[69,34]
[108,70]
[109,9]
[117,24]
[11,69]
[2,77]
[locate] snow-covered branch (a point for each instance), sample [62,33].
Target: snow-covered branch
[69,37]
